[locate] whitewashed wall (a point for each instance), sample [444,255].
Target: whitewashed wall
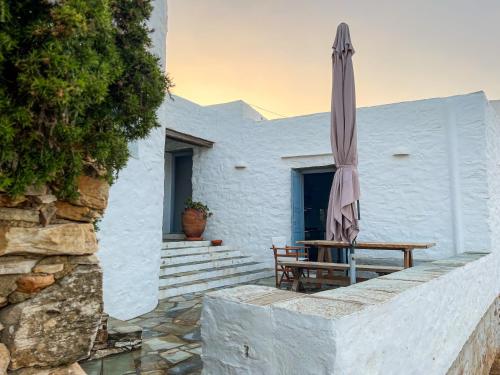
[438,193]
[417,321]
[131,231]
[411,322]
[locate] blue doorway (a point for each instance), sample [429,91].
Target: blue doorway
[182,187]
[310,195]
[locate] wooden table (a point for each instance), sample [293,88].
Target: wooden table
[325,256]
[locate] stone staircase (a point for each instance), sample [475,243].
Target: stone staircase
[194,266]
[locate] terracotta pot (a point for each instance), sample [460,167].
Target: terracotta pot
[216,242]
[193,224]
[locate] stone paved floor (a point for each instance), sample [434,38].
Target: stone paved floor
[171,340]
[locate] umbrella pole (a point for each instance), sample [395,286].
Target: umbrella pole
[352,264]
[352,257]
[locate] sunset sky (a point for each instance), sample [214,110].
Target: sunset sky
[276,54]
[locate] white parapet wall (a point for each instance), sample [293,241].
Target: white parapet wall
[416,321]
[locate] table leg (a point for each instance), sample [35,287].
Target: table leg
[329,259]
[411,258]
[406,262]
[352,265]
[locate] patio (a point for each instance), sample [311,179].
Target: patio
[171,340]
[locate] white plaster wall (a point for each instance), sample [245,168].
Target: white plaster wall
[131,231]
[412,322]
[492,118]
[425,327]
[436,194]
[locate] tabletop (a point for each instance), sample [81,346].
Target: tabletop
[370,245]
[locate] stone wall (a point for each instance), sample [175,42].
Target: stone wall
[50,279]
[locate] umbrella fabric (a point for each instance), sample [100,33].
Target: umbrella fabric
[342,221]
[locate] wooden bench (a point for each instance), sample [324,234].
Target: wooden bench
[298,268]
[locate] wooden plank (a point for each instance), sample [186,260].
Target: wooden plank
[370,245]
[315,265]
[339,266]
[187,138]
[336,280]
[393,245]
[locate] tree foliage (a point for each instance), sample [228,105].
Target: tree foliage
[77,83]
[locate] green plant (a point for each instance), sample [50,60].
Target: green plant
[77,83]
[198,206]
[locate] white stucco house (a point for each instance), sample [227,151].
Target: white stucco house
[423,169]
[429,172]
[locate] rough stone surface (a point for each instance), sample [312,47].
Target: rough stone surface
[45,199]
[57,325]
[93,192]
[10,265]
[47,212]
[72,239]
[17,297]
[8,284]
[479,352]
[36,190]
[73,369]
[69,211]
[34,283]
[4,359]
[119,337]
[8,201]
[18,214]
[48,268]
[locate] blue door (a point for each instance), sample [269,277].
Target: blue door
[297,206]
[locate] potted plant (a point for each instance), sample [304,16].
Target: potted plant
[194,219]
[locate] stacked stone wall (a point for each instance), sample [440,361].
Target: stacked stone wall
[50,279]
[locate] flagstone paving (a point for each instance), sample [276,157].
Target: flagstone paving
[171,340]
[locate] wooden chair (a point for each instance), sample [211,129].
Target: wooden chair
[283,252]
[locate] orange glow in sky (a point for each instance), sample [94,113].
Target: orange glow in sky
[276,54]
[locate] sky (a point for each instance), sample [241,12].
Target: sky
[276,54]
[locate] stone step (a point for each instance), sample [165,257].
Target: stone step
[216,282]
[174,237]
[192,250]
[166,261]
[186,277]
[203,265]
[181,244]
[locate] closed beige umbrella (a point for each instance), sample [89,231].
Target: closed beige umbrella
[342,220]
[342,215]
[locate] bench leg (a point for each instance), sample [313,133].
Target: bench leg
[297,283]
[321,258]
